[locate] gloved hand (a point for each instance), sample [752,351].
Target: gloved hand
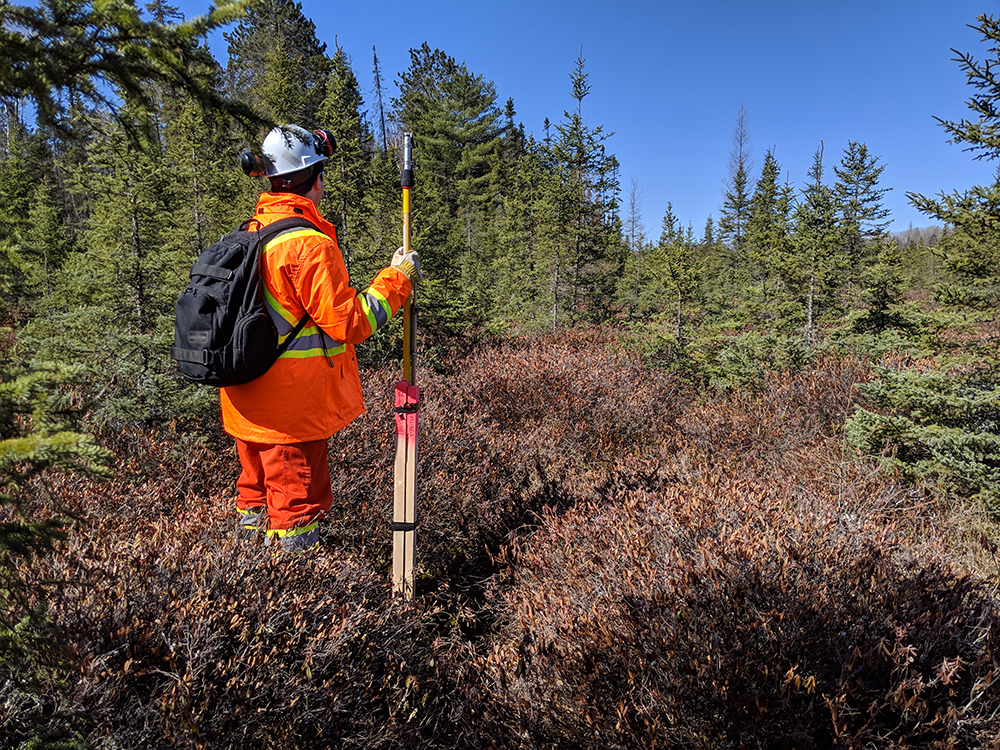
[408,263]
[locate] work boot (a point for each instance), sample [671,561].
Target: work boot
[294,540]
[251,522]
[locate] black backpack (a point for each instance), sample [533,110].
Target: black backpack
[223,334]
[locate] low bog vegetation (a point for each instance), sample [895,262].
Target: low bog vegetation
[606,560]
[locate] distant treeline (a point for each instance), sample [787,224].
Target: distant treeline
[109,203]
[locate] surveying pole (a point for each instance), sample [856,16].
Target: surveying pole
[404,515]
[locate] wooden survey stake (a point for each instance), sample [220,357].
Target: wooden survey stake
[404,515]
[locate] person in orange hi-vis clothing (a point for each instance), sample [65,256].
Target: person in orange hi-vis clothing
[283,419]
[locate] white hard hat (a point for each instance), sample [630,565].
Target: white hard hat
[290,148]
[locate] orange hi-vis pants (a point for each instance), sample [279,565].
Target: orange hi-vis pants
[292,481]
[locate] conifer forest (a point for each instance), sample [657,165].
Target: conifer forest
[736,485]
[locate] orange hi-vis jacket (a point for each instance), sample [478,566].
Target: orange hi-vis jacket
[313,389]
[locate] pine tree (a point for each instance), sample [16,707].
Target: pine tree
[59,54]
[455,114]
[474,178]
[163,12]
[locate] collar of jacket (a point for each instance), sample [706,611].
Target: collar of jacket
[274,206]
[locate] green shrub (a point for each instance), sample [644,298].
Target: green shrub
[938,426]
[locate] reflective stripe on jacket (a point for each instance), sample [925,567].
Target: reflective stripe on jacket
[313,390]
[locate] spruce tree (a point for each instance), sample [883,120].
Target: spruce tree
[15,196]
[883,292]
[862,217]
[114,302]
[348,169]
[41,244]
[971,251]
[276,63]
[814,272]
[736,206]
[631,287]
[586,260]
[679,273]
[717,290]
[941,426]
[381,127]
[768,230]
[526,239]
[210,193]
[40,437]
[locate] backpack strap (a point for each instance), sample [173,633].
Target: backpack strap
[264,236]
[291,336]
[272,230]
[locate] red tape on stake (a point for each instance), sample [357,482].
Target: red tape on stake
[407,397]
[405,489]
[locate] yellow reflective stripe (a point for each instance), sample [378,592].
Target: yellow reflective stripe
[305,353]
[372,323]
[294,532]
[293,235]
[273,304]
[376,317]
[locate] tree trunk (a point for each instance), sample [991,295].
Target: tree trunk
[812,294]
[677,332]
[195,195]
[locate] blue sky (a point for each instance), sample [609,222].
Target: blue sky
[668,79]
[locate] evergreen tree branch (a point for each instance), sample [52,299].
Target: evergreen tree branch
[64,52]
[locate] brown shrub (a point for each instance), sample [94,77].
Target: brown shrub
[185,639]
[514,427]
[603,565]
[789,412]
[766,596]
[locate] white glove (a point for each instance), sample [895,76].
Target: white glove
[408,263]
